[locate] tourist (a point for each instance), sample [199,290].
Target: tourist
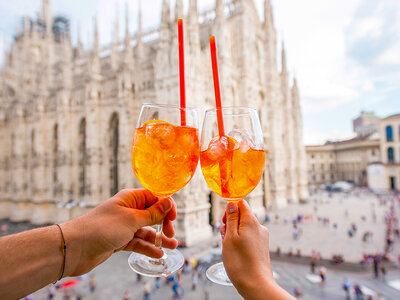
[376,266]
[346,288]
[120,224]
[146,290]
[158,283]
[322,275]
[92,284]
[358,292]
[195,279]
[383,271]
[51,292]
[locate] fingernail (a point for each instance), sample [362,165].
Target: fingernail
[165,204]
[231,208]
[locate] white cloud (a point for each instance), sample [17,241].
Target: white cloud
[370,27]
[391,55]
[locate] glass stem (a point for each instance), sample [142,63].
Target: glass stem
[158,240]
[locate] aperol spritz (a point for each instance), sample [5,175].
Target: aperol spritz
[164,158]
[232,164]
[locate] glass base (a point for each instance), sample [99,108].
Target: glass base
[216,273]
[171,262]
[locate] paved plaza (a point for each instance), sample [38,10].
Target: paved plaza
[114,278]
[324,238]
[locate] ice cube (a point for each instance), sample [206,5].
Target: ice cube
[163,132]
[239,135]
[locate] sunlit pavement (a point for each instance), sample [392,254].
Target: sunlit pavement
[114,278]
[324,238]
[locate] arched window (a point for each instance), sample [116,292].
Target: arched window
[114,144]
[55,150]
[390,154]
[82,157]
[389,133]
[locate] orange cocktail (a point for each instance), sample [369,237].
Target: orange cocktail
[232,169]
[164,156]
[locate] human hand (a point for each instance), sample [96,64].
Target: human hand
[118,224]
[245,253]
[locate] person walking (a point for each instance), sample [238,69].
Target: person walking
[322,275]
[146,291]
[92,284]
[346,288]
[126,295]
[383,271]
[195,280]
[376,266]
[358,292]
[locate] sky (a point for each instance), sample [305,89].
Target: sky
[345,54]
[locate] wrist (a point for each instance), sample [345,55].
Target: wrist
[261,288]
[74,238]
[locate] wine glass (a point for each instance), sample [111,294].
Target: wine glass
[164,158]
[232,164]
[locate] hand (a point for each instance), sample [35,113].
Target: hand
[245,253]
[118,225]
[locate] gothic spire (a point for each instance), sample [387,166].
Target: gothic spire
[268,16]
[219,10]
[283,56]
[116,30]
[96,37]
[140,32]
[127,41]
[179,9]
[80,44]
[192,7]
[46,16]
[165,13]
[95,59]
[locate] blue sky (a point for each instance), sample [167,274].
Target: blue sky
[345,53]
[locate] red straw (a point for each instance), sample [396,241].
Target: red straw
[216,86]
[182,72]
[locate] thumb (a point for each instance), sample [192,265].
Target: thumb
[154,214]
[232,218]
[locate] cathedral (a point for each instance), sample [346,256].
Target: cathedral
[67,115]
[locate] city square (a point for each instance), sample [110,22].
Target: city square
[296,112]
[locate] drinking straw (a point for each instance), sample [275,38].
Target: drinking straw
[216,86]
[222,169]
[182,72]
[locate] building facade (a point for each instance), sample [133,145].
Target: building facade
[67,116]
[385,175]
[346,160]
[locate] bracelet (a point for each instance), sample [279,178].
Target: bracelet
[64,249]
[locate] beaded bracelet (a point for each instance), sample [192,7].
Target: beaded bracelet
[64,251]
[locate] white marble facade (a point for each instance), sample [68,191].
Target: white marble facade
[67,115]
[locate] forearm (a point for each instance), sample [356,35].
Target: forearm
[263,289]
[31,260]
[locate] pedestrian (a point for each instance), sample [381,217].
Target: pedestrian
[346,288]
[297,292]
[158,282]
[295,232]
[175,289]
[195,279]
[322,275]
[51,292]
[312,264]
[78,297]
[146,291]
[383,271]
[92,283]
[358,292]
[126,295]
[138,277]
[376,266]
